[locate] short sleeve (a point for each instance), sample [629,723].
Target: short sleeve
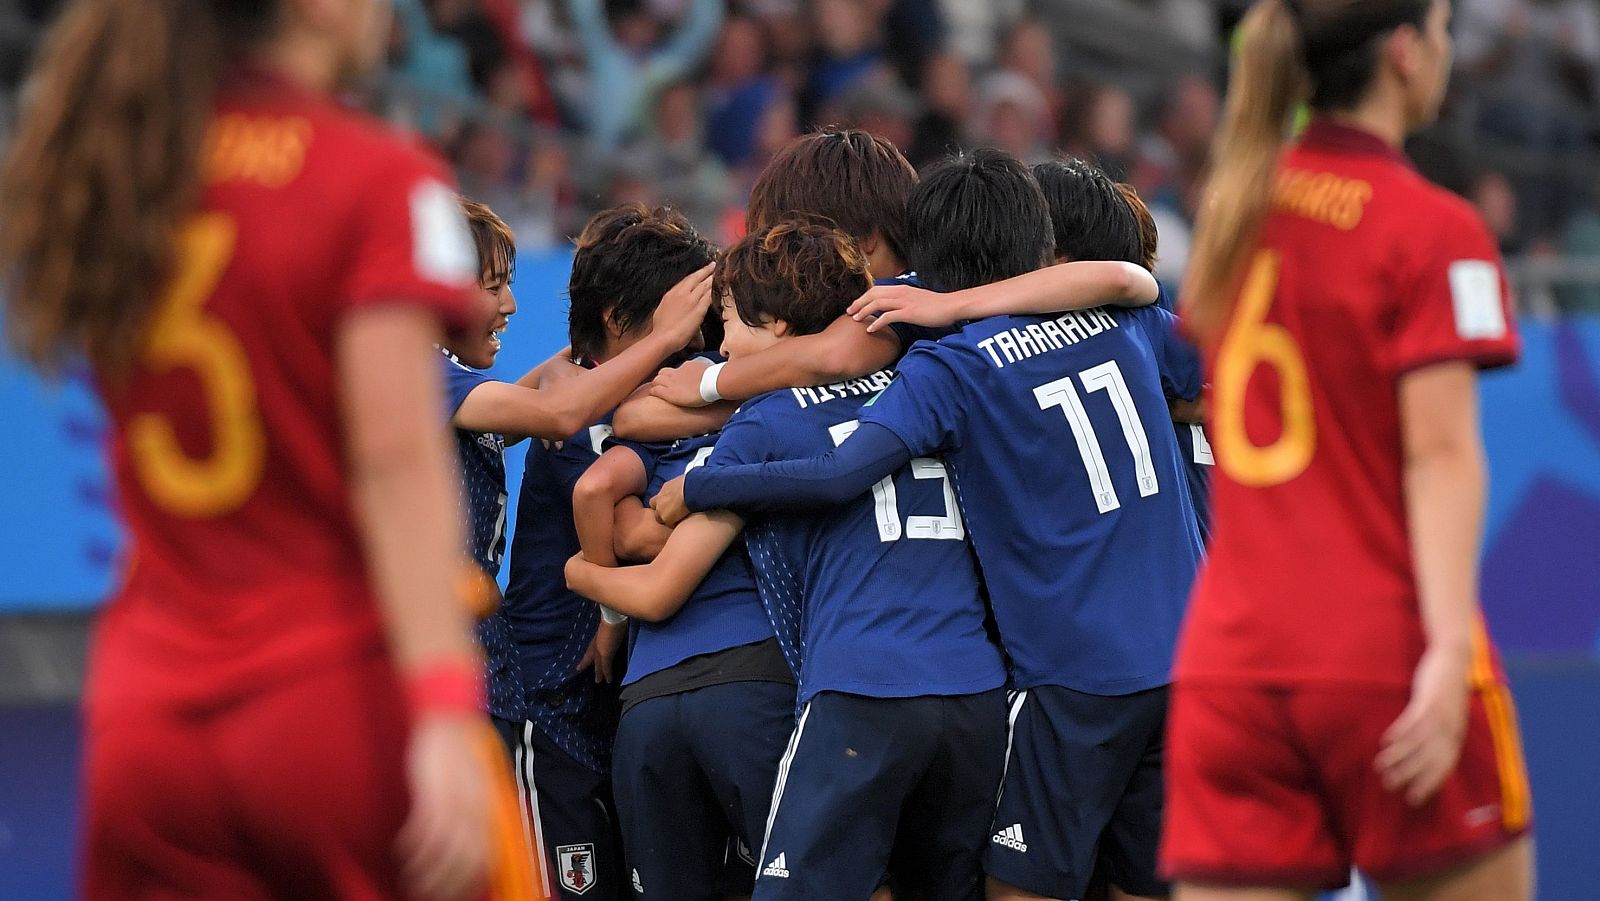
[1453,302]
[410,241]
[459,380]
[1182,376]
[924,405]
[910,334]
[745,439]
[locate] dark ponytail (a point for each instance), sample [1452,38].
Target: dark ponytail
[105,166]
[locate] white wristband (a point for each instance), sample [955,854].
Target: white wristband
[708,383]
[612,617]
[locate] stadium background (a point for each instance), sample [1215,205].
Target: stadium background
[552,108]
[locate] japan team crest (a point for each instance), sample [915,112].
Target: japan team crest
[577,867]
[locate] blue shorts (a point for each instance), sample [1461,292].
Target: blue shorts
[567,813]
[1082,797]
[885,790]
[693,774]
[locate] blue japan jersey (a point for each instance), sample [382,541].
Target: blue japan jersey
[1196,450]
[878,597]
[483,471]
[1057,434]
[541,631]
[724,611]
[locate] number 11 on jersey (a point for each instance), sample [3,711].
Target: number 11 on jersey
[1107,377]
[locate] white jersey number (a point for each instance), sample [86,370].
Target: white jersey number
[886,505]
[1106,377]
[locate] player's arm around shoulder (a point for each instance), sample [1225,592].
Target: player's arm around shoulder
[1054,289]
[846,349]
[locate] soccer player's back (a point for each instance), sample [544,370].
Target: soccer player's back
[1336,687]
[880,599]
[238,250]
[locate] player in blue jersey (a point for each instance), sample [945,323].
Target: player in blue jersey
[1078,511]
[692,793]
[487,413]
[861,183]
[1092,218]
[1096,218]
[1188,417]
[893,765]
[631,266]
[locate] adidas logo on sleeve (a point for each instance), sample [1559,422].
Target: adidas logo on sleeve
[1011,837]
[779,868]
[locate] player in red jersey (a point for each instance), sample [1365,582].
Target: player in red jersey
[284,701]
[1337,700]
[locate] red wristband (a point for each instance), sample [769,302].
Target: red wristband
[447,686]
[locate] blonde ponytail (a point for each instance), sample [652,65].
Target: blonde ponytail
[1269,83]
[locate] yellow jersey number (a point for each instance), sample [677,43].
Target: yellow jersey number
[1251,341]
[184,336]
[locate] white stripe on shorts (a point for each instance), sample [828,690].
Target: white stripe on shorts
[783,777]
[1017,699]
[528,800]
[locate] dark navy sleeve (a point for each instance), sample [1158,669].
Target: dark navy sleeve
[459,381]
[844,473]
[1164,299]
[1179,361]
[910,334]
[925,405]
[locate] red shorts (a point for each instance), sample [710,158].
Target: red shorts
[1276,787]
[296,792]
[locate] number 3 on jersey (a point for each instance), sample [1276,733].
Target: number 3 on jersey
[183,336]
[886,503]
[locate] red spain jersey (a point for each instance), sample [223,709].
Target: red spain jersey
[246,566]
[1363,273]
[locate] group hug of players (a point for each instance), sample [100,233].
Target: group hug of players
[904,543]
[819,684]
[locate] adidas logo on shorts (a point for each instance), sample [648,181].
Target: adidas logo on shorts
[779,868]
[1011,837]
[638,885]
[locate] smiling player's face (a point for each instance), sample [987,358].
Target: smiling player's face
[492,307]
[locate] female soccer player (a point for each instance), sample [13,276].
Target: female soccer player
[487,413]
[1338,702]
[703,654]
[283,693]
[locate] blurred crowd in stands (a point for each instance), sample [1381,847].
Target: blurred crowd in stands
[551,109]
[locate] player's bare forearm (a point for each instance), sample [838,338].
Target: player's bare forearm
[645,417]
[843,350]
[639,535]
[1064,286]
[1445,482]
[616,475]
[1054,289]
[655,591]
[402,473]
